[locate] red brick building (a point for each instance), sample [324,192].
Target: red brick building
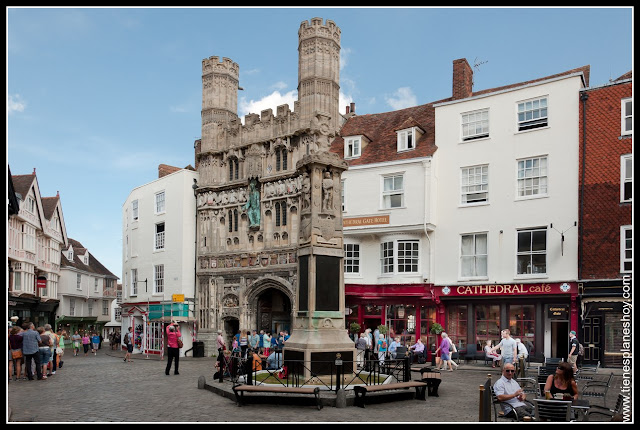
[605,243]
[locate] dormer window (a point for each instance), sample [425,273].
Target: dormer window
[352,147]
[408,137]
[85,259]
[70,255]
[406,140]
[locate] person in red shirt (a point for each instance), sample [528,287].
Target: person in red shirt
[173,334]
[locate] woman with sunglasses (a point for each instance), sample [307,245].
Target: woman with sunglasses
[562,382]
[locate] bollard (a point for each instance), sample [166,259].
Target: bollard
[341,399]
[481,417]
[201,382]
[248,369]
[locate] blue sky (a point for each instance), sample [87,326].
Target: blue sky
[98,97]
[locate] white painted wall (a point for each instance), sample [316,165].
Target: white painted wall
[363,198]
[505,213]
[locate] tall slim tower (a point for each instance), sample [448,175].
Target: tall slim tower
[219,98]
[319,71]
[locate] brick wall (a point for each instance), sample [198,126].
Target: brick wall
[462,79]
[603,212]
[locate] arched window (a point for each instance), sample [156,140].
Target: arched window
[281,159]
[283,206]
[230,221]
[277,210]
[235,220]
[280,209]
[234,169]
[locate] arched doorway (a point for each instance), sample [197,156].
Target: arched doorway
[274,311]
[231,327]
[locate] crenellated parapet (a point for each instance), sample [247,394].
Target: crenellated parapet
[316,28]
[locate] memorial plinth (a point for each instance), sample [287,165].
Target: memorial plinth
[319,332]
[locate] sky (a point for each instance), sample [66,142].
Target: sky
[97,98]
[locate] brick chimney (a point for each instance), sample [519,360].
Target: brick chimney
[462,79]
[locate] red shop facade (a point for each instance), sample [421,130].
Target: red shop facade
[540,314]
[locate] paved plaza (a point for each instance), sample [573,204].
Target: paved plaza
[104,388]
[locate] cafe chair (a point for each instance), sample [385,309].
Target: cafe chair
[597,389]
[553,360]
[600,410]
[401,352]
[498,411]
[552,410]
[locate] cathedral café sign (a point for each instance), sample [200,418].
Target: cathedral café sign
[509,289]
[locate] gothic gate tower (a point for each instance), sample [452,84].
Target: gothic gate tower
[250,204]
[319,71]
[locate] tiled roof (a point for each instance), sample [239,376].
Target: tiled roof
[94,265]
[381,128]
[627,75]
[49,205]
[22,183]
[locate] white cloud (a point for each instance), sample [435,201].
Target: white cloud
[272,101]
[344,55]
[15,104]
[279,86]
[402,98]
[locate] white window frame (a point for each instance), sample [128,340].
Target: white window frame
[160,202]
[158,279]
[30,205]
[626,177]
[78,282]
[531,253]
[159,237]
[533,113]
[474,124]
[90,307]
[404,137]
[134,282]
[105,307]
[538,182]
[626,115]
[475,256]
[386,195]
[342,194]
[351,143]
[351,260]
[391,254]
[626,245]
[134,210]
[95,285]
[72,307]
[474,181]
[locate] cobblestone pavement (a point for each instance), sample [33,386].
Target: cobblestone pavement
[104,388]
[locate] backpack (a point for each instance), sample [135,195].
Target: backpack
[580,349]
[384,345]
[126,339]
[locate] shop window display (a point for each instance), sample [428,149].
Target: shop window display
[457,326]
[401,320]
[487,320]
[522,325]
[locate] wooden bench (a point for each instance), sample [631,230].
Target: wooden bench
[432,378]
[361,391]
[239,391]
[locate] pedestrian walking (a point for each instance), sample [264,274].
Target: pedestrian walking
[173,349]
[31,351]
[266,341]
[361,347]
[445,352]
[62,336]
[128,341]
[86,341]
[574,348]
[244,344]
[51,368]
[508,347]
[76,339]
[95,343]
[254,340]
[382,348]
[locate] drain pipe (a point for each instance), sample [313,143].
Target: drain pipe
[583,98]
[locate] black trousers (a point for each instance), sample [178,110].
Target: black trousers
[171,354]
[27,362]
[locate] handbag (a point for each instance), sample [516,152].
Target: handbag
[180,343]
[16,354]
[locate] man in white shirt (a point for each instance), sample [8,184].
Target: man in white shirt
[508,347]
[508,391]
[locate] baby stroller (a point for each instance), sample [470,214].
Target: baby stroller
[223,365]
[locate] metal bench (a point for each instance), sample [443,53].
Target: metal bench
[597,389]
[239,391]
[361,391]
[585,372]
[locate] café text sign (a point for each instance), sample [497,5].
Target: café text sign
[364,221]
[505,289]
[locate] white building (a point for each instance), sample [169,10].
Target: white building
[158,259]
[388,219]
[86,291]
[507,209]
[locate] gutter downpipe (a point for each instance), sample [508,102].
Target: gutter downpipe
[583,97]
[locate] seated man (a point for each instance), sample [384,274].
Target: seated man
[393,346]
[274,361]
[509,392]
[418,348]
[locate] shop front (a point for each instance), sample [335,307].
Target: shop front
[407,311]
[31,309]
[541,315]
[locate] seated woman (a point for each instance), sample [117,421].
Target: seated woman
[562,382]
[496,357]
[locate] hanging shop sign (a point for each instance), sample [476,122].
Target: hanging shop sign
[558,312]
[41,282]
[178,297]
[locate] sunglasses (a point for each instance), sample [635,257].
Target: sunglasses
[509,371]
